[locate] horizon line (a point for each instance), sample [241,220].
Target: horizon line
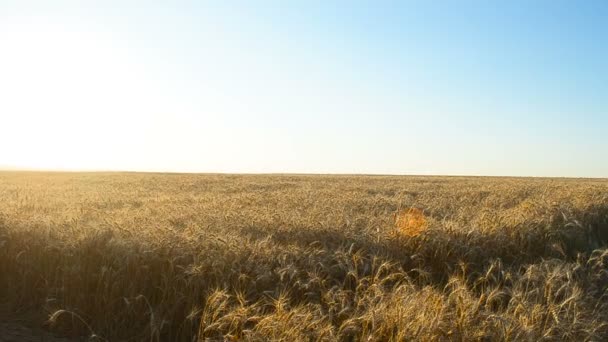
[50,170]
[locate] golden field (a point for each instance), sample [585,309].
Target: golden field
[168,257]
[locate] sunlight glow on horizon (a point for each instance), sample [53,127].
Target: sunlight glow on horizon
[186,90]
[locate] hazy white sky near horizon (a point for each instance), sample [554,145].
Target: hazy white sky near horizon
[476,88]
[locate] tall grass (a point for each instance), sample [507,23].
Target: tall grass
[162,257]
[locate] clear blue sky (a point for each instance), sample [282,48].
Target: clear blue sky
[443,87]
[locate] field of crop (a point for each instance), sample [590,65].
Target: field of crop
[166,257]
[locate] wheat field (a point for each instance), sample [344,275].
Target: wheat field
[188,257]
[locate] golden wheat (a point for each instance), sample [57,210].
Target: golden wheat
[165,257]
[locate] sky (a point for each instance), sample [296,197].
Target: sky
[512,88]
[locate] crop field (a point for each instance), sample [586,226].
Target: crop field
[188,257]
